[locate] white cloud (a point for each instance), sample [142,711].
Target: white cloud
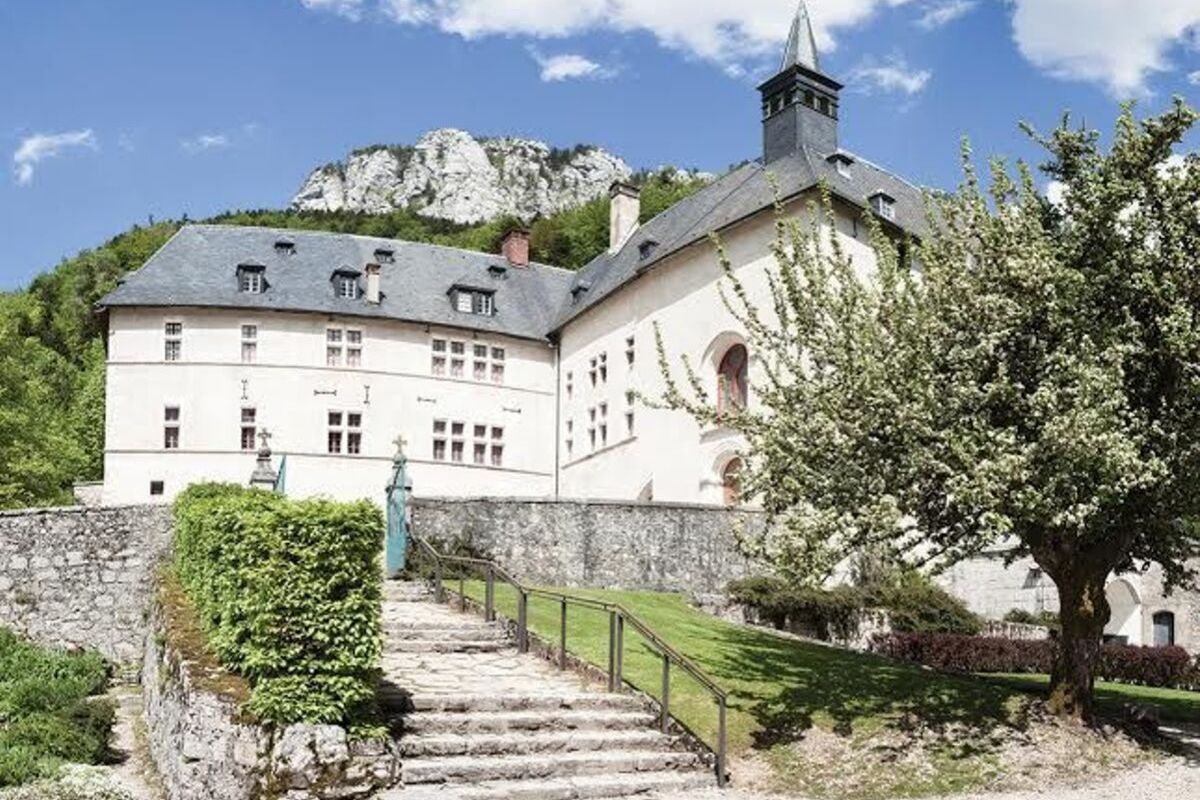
[35,149]
[729,34]
[1194,78]
[943,12]
[892,75]
[350,9]
[205,141]
[569,66]
[1117,43]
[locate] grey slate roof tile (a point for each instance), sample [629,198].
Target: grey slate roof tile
[198,266]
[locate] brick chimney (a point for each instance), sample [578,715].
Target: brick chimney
[372,283]
[625,206]
[515,247]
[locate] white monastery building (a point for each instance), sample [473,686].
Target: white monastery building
[504,377]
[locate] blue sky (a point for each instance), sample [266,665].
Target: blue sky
[114,111]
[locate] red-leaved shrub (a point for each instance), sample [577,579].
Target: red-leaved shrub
[1148,666]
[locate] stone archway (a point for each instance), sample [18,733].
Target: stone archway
[1125,622]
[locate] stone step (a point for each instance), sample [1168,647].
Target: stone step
[489,744]
[445,645]
[589,787]
[469,703]
[541,721]
[443,632]
[474,769]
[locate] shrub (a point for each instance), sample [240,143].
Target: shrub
[1147,666]
[914,605]
[1045,619]
[289,595]
[46,716]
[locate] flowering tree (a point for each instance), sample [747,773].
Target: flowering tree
[1028,373]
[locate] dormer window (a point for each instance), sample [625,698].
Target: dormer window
[497,270]
[285,247]
[251,278]
[345,284]
[385,255]
[841,163]
[884,205]
[473,301]
[647,248]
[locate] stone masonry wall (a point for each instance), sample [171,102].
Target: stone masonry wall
[595,543]
[203,747]
[81,577]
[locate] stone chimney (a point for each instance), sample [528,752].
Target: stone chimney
[373,283]
[515,247]
[623,214]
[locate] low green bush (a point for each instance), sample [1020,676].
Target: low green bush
[289,595]
[914,605]
[1046,619]
[48,715]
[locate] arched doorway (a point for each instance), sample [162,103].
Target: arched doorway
[731,482]
[1125,623]
[732,379]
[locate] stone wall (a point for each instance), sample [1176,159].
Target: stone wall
[595,543]
[203,747]
[81,577]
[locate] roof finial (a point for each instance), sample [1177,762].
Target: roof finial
[801,45]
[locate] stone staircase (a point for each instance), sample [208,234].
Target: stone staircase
[477,720]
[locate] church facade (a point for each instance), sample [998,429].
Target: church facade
[503,377]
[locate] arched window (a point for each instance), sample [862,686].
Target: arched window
[1164,629]
[731,482]
[732,379]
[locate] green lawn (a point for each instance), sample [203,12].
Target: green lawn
[777,687]
[1173,704]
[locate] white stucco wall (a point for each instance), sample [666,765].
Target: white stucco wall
[667,449]
[293,390]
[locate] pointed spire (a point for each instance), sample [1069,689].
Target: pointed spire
[801,45]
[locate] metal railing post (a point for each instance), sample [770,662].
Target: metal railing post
[721,777]
[612,651]
[439,592]
[620,677]
[489,600]
[562,637]
[522,615]
[666,692]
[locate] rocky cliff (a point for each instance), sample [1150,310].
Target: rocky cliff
[451,175]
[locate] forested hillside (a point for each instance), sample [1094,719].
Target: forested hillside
[52,355]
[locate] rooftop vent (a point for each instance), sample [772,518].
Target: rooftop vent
[647,248]
[285,247]
[497,270]
[385,255]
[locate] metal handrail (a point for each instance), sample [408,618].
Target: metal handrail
[618,616]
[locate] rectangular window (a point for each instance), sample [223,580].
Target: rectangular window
[497,373]
[156,488]
[570,385]
[437,363]
[497,455]
[629,422]
[480,453]
[249,344]
[333,347]
[171,428]
[251,281]
[173,341]
[630,350]
[480,371]
[353,348]
[347,287]
[438,367]
[249,427]
[603,424]
[439,440]
[464,303]
[483,304]
[592,372]
[604,367]
[333,440]
[456,452]
[354,433]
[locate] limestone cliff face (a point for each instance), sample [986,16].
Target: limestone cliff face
[451,175]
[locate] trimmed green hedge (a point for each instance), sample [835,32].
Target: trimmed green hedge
[48,715]
[914,605]
[289,594]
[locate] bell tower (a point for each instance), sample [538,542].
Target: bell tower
[800,104]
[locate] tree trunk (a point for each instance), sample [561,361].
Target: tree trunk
[1083,613]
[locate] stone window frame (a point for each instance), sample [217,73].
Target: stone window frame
[249,427]
[172,423]
[249,333]
[344,346]
[172,339]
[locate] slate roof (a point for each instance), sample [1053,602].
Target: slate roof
[731,198]
[198,267]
